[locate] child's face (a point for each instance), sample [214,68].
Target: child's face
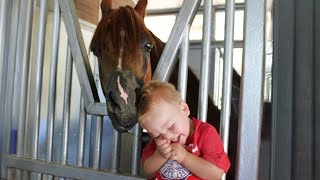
[168,121]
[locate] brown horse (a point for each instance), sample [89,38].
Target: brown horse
[128,54]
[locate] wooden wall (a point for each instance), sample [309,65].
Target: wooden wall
[88,10]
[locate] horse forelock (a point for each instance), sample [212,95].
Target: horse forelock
[125,20]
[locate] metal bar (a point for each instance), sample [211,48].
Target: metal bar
[8,83]
[52,81]
[79,53]
[82,132]
[116,145]
[136,150]
[97,109]
[12,64]
[167,61]
[63,170]
[66,107]
[316,90]
[251,101]
[18,124]
[204,76]
[3,20]
[38,79]
[4,7]
[97,143]
[17,80]
[153,12]
[27,17]
[212,69]
[183,64]
[281,158]
[227,76]
[218,44]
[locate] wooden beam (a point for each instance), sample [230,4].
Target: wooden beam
[88,10]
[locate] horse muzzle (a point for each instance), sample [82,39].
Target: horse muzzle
[121,97]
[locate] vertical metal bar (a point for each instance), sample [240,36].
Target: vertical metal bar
[4,11]
[212,84]
[10,173]
[27,17]
[82,132]
[52,81]
[216,87]
[282,135]
[17,89]
[206,49]
[116,145]
[66,108]
[3,19]
[38,78]
[8,83]
[24,75]
[251,101]
[97,143]
[227,75]
[136,148]
[38,83]
[183,65]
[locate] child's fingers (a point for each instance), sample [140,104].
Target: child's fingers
[161,142]
[164,150]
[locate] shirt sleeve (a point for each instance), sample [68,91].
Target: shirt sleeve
[212,149]
[148,150]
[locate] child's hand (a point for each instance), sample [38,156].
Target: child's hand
[178,152]
[163,146]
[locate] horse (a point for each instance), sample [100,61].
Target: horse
[128,54]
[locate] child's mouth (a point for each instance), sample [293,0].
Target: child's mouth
[176,140]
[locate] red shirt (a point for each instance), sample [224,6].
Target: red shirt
[204,142]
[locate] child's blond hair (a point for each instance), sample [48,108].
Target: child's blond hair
[155,91]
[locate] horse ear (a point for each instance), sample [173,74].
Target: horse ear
[141,7]
[105,5]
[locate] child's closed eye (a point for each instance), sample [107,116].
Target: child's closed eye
[172,126]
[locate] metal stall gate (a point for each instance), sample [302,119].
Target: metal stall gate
[49,128]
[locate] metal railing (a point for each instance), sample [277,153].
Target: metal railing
[22,89]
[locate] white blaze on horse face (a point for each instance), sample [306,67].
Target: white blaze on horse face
[123,94]
[122,34]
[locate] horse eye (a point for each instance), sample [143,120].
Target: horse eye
[148,47]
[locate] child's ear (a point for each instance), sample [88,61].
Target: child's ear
[185,108]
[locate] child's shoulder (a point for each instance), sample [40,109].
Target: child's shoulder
[202,126]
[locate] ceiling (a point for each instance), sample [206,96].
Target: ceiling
[165,4]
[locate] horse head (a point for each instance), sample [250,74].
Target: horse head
[123,46]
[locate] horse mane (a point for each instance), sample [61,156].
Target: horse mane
[125,20]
